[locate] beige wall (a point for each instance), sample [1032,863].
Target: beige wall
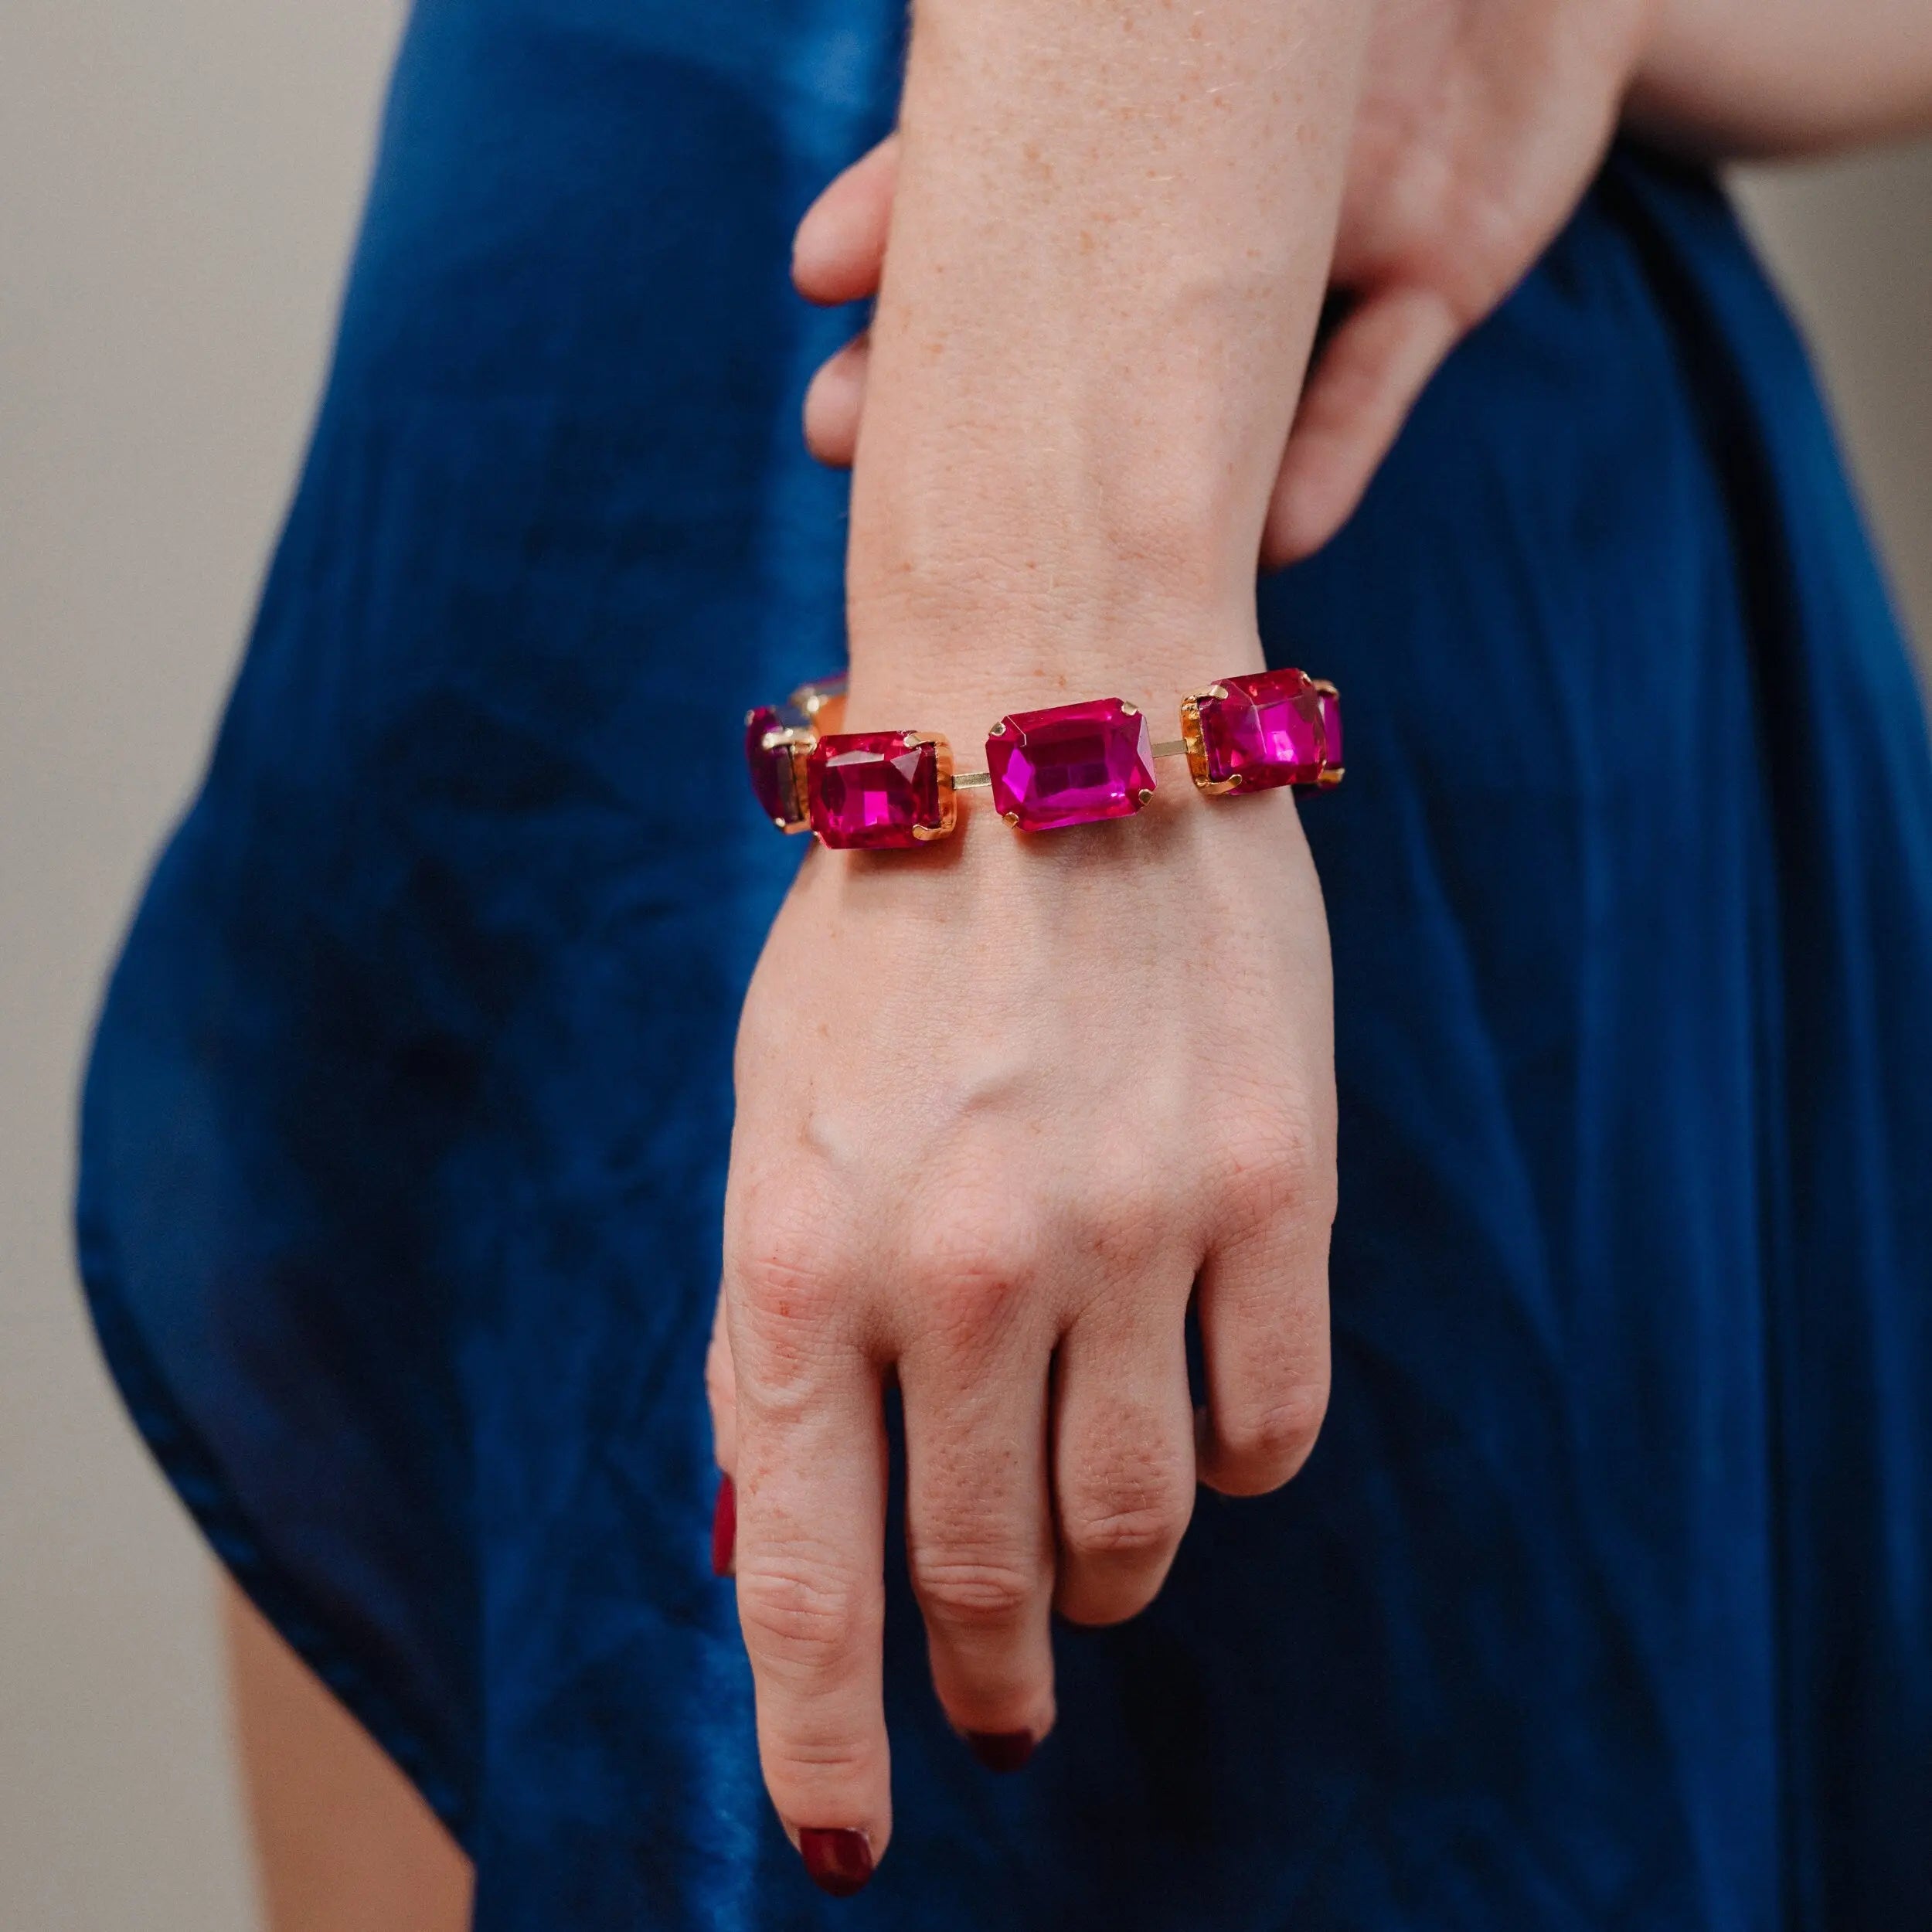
[181,183]
[1852,242]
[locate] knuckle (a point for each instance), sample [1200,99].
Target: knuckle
[1494,232]
[786,1278]
[795,1620]
[808,1758]
[1282,1168]
[973,1592]
[967,1259]
[1129,1509]
[1272,1440]
[1131,1502]
[1134,1533]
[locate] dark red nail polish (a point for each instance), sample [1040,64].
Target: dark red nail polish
[1001,1751]
[724,1529]
[837,1861]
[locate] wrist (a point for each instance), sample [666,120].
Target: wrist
[1045,768]
[1118,542]
[962,616]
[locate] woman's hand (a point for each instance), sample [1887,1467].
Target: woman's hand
[1481,123]
[1000,1109]
[1006,1105]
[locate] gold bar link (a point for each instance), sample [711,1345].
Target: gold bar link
[1171,748]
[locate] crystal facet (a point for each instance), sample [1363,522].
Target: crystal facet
[1070,766]
[871,789]
[771,768]
[1267,731]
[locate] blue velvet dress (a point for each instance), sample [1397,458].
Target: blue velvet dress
[1605,1601]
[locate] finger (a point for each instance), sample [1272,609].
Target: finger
[810,1454]
[721,1392]
[978,1524]
[834,404]
[840,245]
[1359,394]
[1263,1303]
[1123,1458]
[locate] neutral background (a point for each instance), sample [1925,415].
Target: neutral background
[182,182]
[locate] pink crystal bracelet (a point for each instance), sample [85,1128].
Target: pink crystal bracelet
[1071,765]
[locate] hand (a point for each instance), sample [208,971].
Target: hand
[1002,1111]
[1481,123]
[1006,1105]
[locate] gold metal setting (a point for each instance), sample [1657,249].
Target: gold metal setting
[1195,745]
[948,803]
[819,706]
[822,705]
[799,740]
[1330,776]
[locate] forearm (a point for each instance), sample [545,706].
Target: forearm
[1735,79]
[1108,250]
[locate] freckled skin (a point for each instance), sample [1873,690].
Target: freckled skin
[1480,121]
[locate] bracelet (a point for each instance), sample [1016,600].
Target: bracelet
[1073,765]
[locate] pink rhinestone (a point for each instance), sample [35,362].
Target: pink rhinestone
[1070,766]
[869,789]
[1267,731]
[1331,731]
[770,769]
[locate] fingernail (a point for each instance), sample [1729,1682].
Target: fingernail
[837,1861]
[724,1529]
[1001,1751]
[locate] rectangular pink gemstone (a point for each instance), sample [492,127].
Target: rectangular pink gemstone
[771,770]
[870,790]
[1071,765]
[1266,731]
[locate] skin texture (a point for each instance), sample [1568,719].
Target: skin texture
[1479,124]
[1482,120]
